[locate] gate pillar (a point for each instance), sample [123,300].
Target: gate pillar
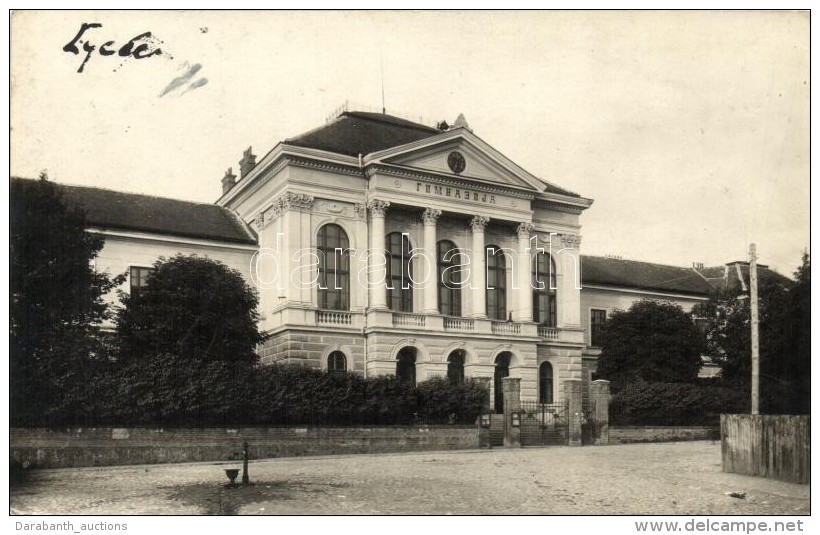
[573,393]
[599,400]
[511,387]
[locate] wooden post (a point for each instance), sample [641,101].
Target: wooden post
[755,337]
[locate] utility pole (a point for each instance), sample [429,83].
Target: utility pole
[755,337]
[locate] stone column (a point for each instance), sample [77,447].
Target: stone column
[479,267]
[523,308]
[568,263]
[572,395]
[430,289]
[378,268]
[511,387]
[599,401]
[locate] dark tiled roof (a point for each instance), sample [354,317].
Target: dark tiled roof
[641,275]
[357,132]
[116,210]
[727,275]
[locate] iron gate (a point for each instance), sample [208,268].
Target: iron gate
[544,424]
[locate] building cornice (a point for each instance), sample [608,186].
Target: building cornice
[282,155]
[562,203]
[171,238]
[323,165]
[626,289]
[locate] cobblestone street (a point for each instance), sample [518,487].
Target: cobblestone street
[669,478]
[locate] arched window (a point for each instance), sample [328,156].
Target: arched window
[406,365]
[543,298]
[399,282]
[449,279]
[336,362]
[502,370]
[455,367]
[334,268]
[545,383]
[496,283]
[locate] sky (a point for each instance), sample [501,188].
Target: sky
[690,130]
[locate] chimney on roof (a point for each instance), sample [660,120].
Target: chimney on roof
[247,162]
[228,181]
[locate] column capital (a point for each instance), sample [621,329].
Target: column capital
[571,241]
[524,229]
[430,216]
[377,207]
[479,222]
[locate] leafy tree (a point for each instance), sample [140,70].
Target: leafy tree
[56,305]
[652,341]
[192,308]
[799,368]
[784,333]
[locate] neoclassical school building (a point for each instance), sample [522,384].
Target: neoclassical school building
[390,247]
[383,246]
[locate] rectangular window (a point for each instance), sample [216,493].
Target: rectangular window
[138,279]
[597,319]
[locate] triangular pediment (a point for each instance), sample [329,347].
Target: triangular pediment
[481,162]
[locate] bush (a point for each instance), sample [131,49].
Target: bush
[180,392]
[642,403]
[441,400]
[170,390]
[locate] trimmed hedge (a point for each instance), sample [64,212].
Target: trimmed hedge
[171,391]
[642,403]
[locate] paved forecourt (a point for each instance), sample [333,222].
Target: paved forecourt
[668,478]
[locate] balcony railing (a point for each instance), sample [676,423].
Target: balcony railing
[458,324]
[550,333]
[407,320]
[505,327]
[333,317]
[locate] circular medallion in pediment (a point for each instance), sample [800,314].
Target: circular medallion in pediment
[456,162]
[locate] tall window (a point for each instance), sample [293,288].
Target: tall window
[406,365]
[496,283]
[543,299]
[597,319]
[399,282]
[334,268]
[449,279]
[455,367]
[336,363]
[545,383]
[138,279]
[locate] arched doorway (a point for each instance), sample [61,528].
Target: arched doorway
[406,365]
[502,370]
[455,367]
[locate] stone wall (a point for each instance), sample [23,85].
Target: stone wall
[628,434]
[49,448]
